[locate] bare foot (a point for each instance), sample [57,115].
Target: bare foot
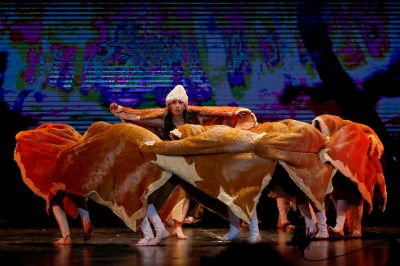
[177,232]
[63,241]
[87,228]
[356,233]
[290,228]
[282,224]
[336,232]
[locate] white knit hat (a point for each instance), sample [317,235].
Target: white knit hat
[178,93]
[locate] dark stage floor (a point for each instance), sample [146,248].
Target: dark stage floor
[111,246]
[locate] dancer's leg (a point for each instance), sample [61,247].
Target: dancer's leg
[161,232]
[322,226]
[341,207]
[254,232]
[304,208]
[147,232]
[86,223]
[178,217]
[61,218]
[283,209]
[233,232]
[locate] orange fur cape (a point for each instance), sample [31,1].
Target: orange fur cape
[104,164]
[355,150]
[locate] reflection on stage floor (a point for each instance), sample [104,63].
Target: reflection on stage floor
[115,246]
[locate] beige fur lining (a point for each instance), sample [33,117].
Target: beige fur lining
[324,127]
[130,221]
[179,166]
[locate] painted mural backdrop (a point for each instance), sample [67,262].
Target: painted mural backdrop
[65,62]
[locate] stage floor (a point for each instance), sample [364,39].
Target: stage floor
[112,246]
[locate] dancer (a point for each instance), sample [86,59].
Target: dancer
[41,147]
[172,202]
[354,150]
[149,239]
[254,235]
[294,144]
[349,204]
[64,203]
[176,115]
[283,208]
[75,164]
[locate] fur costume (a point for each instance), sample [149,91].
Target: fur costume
[295,145]
[153,120]
[36,152]
[238,117]
[354,149]
[110,164]
[56,157]
[106,165]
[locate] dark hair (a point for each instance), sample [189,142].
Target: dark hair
[188,118]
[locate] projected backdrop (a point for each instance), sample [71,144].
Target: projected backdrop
[65,62]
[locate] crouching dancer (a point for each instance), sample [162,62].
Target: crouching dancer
[64,203]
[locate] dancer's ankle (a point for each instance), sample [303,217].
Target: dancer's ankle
[65,240]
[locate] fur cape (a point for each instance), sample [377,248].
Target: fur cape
[355,150]
[153,120]
[232,116]
[295,145]
[36,154]
[110,163]
[106,165]
[101,163]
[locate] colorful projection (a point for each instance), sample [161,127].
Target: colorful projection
[65,62]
